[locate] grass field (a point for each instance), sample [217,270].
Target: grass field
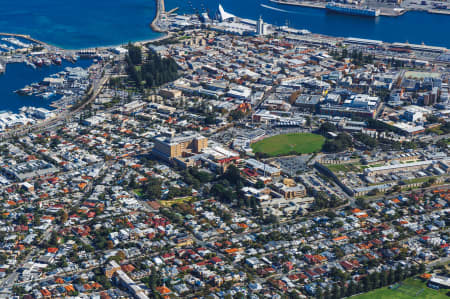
[410,288]
[169,203]
[298,143]
[344,167]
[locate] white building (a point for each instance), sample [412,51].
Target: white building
[260,28]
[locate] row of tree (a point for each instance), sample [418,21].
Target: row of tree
[369,282]
[357,57]
[154,71]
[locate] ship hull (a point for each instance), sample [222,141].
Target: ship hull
[353,11]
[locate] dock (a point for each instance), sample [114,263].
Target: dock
[386,12]
[24,36]
[160,11]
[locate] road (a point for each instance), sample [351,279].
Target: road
[10,280]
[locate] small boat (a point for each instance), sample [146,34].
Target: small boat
[25,91]
[47,95]
[38,62]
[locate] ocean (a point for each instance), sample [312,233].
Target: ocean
[87,23]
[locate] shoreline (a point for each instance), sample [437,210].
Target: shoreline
[384,13]
[42,43]
[163,34]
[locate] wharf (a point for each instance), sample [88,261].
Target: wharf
[439,11]
[160,10]
[300,3]
[24,36]
[387,12]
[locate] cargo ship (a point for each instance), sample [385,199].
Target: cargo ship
[352,10]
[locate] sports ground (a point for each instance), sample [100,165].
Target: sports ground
[410,288]
[294,143]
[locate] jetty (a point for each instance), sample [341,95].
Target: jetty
[24,36]
[160,11]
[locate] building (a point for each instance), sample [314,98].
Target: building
[30,169]
[260,27]
[359,105]
[112,268]
[222,15]
[170,93]
[262,168]
[290,190]
[413,166]
[170,147]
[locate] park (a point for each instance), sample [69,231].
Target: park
[287,144]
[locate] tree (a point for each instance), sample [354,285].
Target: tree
[367,140]
[327,127]
[120,256]
[22,219]
[64,217]
[110,244]
[339,144]
[319,293]
[384,278]
[422,268]
[390,278]
[53,239]
[233,175]
[351,289]
[135,54]
[335,292]
[367,284]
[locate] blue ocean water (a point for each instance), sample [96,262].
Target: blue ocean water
[414,27]
[81,23]
[88,23]
[18,75]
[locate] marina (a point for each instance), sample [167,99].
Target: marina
[20,75]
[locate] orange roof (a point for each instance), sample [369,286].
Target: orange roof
[96,285]
[232,250]
[362,216]
[320,257]
[356,210]
[52,249]
[69,288]
[163,290]
[82,185]
[340,238]
[426,275]
[59,280]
